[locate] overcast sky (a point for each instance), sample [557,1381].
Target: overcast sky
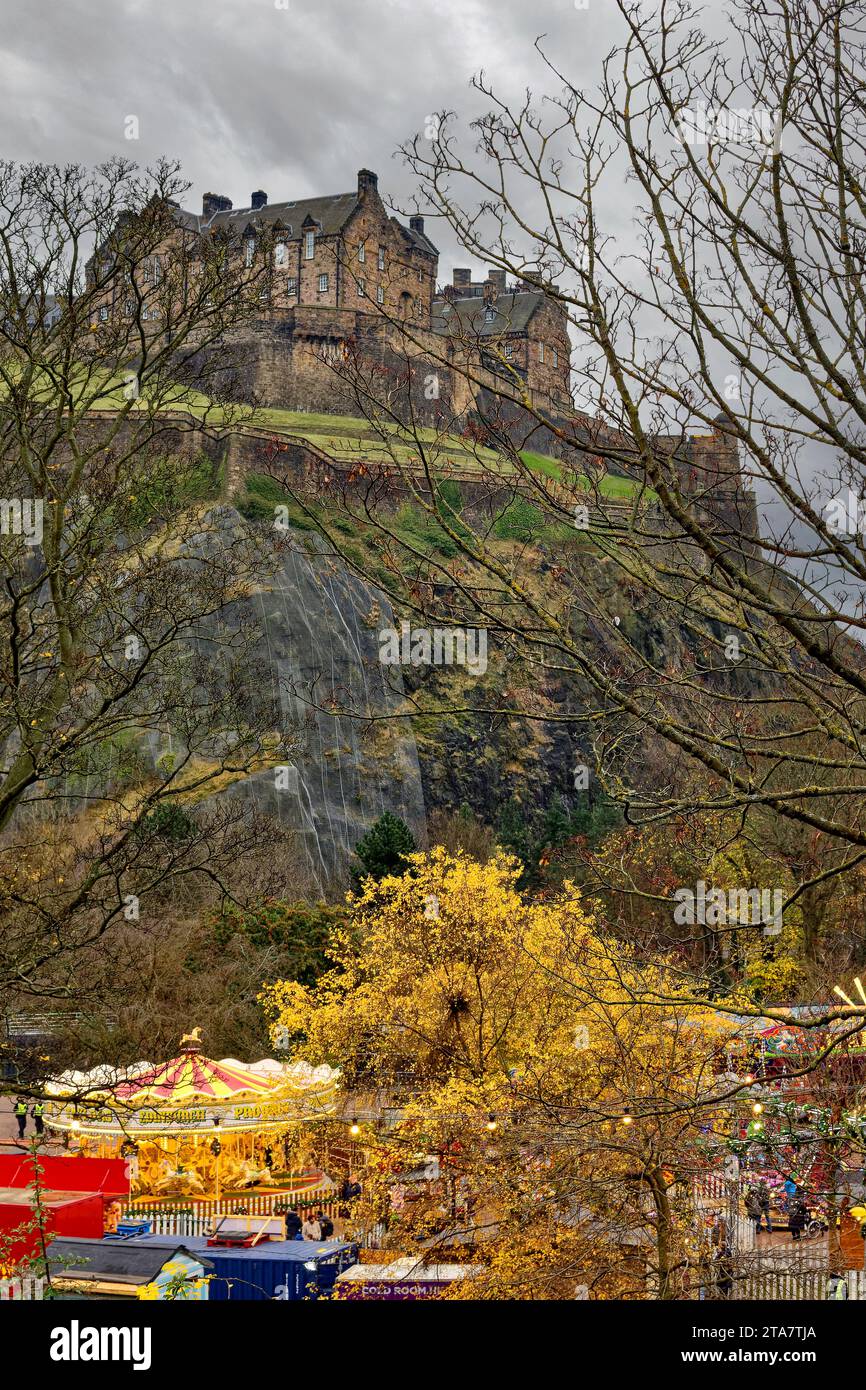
[248,95]
[292,96]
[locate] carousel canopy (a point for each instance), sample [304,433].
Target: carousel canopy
[190,1093]
[191,1077]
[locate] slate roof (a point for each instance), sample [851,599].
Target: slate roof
[514,312]
[76,1258]
[331,213]
[419,239]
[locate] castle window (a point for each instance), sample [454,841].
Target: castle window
[144,315]
[509,350]
[490,315]
[555,357]
[420,277]
[292,285]
[309,246]
[129,308]
[103,313]
[249,251]
[362,288]
[362,251]
[264,296]
[541,352]
[380,295]
[323,284]
[280,253]
[381,258]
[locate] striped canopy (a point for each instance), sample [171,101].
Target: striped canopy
[194,1077]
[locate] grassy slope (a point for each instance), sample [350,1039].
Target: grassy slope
[351,439]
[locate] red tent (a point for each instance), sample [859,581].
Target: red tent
[75,1193]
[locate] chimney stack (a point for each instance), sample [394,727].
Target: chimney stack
[416,223]
[497,278]
[463,280]
[214,202]
[367,180]
[258,200]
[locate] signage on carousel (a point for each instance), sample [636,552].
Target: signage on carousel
[105,1119]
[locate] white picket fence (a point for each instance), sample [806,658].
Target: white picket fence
[198,1217]
[793,1286]
[28,1289]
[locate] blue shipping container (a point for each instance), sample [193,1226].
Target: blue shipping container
[287,1270]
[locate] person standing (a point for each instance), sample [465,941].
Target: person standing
[38,1113]
[293,1224]
[753,1209]
[311,1230]
[764,1205]
[837,1287]
[798,1218]
[724,1270]
[326,1225]
[21,1116]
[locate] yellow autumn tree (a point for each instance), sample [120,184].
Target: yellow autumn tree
[514,1043]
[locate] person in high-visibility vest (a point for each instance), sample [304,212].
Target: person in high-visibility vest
[837,1287]
[21,1116]
[37,1112]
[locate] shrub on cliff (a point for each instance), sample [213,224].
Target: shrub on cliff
[382,850]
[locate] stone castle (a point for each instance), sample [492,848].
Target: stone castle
[340,271]
[340,274]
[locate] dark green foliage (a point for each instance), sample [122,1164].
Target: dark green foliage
[420,531]
[382,850]
[169,822]
[520,521]
[300,931]
[535,837]
[167,485]
[262,495]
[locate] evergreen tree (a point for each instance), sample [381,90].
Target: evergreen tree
[382,850]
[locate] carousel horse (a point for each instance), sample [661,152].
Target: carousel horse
[183,1181]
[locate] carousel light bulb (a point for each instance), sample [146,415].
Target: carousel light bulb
[75,1124]
[491,1123]
[627,1118]
[354,1129]
[757,1108]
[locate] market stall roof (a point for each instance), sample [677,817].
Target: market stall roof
[122,1261]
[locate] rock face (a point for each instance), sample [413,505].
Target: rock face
[319,641]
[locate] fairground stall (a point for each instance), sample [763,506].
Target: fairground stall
[193,1127]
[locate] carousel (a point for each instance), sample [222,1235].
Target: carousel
[193,1127]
